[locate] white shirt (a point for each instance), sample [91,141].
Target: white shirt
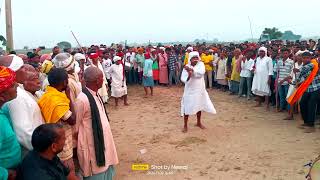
[106,64]
[246,68]
[295,75]
[25,116]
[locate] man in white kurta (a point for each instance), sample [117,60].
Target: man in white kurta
[263,71]
[195,97]
[24,110]
[118,81]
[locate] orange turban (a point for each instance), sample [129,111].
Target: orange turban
[140,50]
[7,78]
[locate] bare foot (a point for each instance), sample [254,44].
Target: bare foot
[185,130]
[257,105]
[126,104]
[288,118]
[200,126]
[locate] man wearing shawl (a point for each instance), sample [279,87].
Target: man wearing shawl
[10,153]
[67,62]
[308,90]
[57,107]
[96,149]
[195,97]
[263,71]
[118,81]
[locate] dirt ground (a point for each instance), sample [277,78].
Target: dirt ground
[240,142]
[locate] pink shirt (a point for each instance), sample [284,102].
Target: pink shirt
[86,152]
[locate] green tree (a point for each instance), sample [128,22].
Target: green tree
[64,45]
[3,40]
[289,35]
[272,33]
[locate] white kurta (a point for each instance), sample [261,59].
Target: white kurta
[195,97]
[25,115]
[264,69]
[118,85]
[221,72]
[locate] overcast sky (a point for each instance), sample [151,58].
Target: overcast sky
[46,22]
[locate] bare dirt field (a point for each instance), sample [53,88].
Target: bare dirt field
[240,142]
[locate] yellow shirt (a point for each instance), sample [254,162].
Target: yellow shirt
[207,60]
[235,75]
[186,58]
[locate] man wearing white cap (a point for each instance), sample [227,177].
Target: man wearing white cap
[195,97]
[263,71]
[186,57]
[118,81]
[67,62]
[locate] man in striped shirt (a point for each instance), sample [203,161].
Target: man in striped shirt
[284,69]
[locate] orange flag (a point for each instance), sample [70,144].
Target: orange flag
[304,86]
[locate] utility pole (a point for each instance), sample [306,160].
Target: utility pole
[9,25]
[250,29]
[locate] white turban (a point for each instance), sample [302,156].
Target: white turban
[190,48]
[301,52]
[162,48]
[79,57]
[16,63]
[193,54]
[116,58]
[64,60]
[263,49]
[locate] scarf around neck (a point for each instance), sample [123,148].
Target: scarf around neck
[96,129]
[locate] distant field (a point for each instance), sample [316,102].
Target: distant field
[24,51]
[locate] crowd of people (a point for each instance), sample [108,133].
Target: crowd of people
[54,123]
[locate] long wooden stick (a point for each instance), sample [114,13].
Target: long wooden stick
[77,42]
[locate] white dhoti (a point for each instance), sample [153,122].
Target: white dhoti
[264,69]
[118,84]
[195,97]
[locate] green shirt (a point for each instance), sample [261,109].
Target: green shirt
[10,152]
[155,64]
[140,60]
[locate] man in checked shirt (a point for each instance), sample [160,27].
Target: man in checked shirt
[311,96]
